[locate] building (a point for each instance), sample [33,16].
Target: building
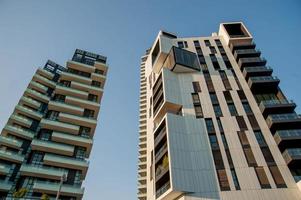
[214,123]
[49,136]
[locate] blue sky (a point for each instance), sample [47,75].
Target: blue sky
[33,31]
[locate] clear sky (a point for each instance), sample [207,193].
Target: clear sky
[33,31]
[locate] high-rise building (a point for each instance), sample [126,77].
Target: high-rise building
[48,138]
[214,123]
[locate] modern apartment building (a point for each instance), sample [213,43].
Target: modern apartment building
[48,138]
[214,123]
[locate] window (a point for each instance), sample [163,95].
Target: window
[220,126]
[207,43]
[92,97]
[37,158]
[217,110]
[98,71]
[225,80]
[66,83]
[224,140]
[196,86]
[235,179]
[209,82]
[45,135]
[250,157]
[80,73]
[241,123]
[243,138]
[59,97]
[196,43]
[247,107]
[213,98]
[277,177]
[52,115]
[230,161]
[195,98]
[241,95]
[260,139]
[212,49]
[209,125]
[253,122]
[214,62]
[232,109]
[182,44]
[80,153]
[96,84]
[223,180]
[228,97]
[268,156]
[88,113]
[84,131]
[218,42]
[198,111]
[218,160]
[213,141]
[262,177]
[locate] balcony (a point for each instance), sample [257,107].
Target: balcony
[73,140]
[74,77]
[45,73]
[37,95]
[59,126]
[292,157]
[66,162]
[23,121]
[288,138]
[276,106]
[283,122]
[19,132]
[61,89]
[160,153]
[234,47]
[28,112]
[44,81]
[80,66]
[10,142]
[5,186]
[81,121]
[249,62]
[4,169]
[87,88]
[66,108]
[11,156]
[52,188]
[181,60]
[98,77]
[263,83]
[246,53]
[52,147]
[162,189]
[38,86]
[257,71]
[42,172]
[83,103]
[30,102]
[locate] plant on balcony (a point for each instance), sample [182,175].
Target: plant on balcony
[165,162]
[45,197]
[20,193]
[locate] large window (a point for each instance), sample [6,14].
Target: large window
[262,177]
[196,86]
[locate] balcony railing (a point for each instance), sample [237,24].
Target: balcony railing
[246,51]
[257,69]
[163,189]
[280,117]
[276,102]
[264,78]
[289,133]
[161,152]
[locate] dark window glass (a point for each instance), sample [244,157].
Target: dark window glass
[195,98]
[180,44]
[196,86]
[225,80]
[213,141]
[210,126]
[99,71]
[212,49]
[260,139]
[220,126]
[279,181]
[213,98]
[96,84]
[218,160]
[209,82]
[88,113]
[247,107]
[250,157]
[232,109]
[268,156]
[214,62]
[241,123]
[217,110]
[196,43]
[253,122]
[207,43]
[235,179]
[198,111]
[223,180]
[243,138]
[241,95]
[228,96]
[218,42]
[92,97]
[262,177]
